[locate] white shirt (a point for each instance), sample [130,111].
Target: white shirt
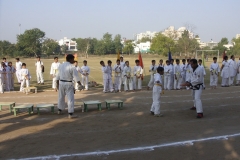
[18,65]
[38,65]
[117,69]
[54,68]
[127,71]
[24,73]
[137,70]
[214,68]
[168,69]
[196,76]
[85,69]
[67,72]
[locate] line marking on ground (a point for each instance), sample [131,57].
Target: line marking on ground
[180,143]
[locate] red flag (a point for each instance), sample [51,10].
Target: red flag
[140,61]
[224,54]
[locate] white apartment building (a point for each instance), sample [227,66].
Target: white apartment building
[148,34]
[72,45]
[142,47]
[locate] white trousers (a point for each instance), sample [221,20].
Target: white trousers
[54,83]
[137,83]
[167,82]
[85,81]
[1,85]
[40,77]
[197,99]
[18,76]
[213,80]
[225,81]
[156,100]
[177,83]
[66,88]
[117,83]
[231,79]
[128,84]
[107,85]
[151,82]
[23,83]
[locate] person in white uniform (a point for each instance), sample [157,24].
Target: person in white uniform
[167,75]
[177,75]
[204,72]
[137,76]
[183,72]
[225,72]
[232,70]
[188,71]
[67,73]
[18,67]
[39,71]
[117,76]
[195,81]
[85,73]
[238,73]
[156,94]
[152,70]
[25,77]
[214,73]
[122,63]
[107,77]
[54,71]
[128,82]
[11,71]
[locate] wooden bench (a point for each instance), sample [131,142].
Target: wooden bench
[24,106]
[45,106]
[27,89]
[97,102]
[119,102]
[9,104]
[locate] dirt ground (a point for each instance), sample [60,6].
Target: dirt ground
[130,133]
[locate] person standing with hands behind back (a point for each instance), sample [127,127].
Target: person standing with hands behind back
[39,70]
[66,74]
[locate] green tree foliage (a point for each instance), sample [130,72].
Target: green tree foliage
[187,44]
[162,44]
[128,47]
[30,42]
[50,47]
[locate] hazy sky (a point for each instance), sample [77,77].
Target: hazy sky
[213,19]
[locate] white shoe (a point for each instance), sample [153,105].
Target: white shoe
[72,116]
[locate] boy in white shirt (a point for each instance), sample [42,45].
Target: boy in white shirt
[152,70]
[157,90]
[118,76]
[18,68]
[177,75]
[54,72]
[214,73]
[167,75]
[39,70]
[25,77]
[137,76]
[128,82]
[85,72]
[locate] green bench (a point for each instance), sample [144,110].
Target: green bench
[119,102]
[9,104]
[39,106]
[24,106]
[97,102]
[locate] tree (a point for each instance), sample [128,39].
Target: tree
[162,44]
[117,43]
[128,47]
[186,44]
[50,47]
[30,42]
